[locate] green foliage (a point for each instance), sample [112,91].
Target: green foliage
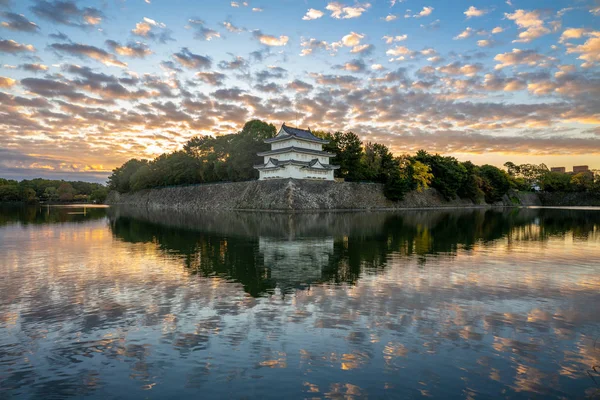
[349,153]
[66,192]
[231,157]
[449,174]
[397,185]
[495,183]
[556,182]
[528,174]
[39,189]
[473,183]
[119,180]
[98,196]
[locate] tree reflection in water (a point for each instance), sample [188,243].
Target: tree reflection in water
[268,251]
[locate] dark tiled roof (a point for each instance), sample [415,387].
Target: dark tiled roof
[296,149]
[297,133]
[307,164]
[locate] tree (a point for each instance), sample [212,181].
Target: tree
[496,183]
[66,192]
[9,193]
[99,195]
[396,185]
[448,174]
[421,175]
[348,149]
[51,194]
[556,182]
[119,179]
[582,182]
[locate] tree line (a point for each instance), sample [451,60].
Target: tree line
[55,191]
[231,157]
[539,176]
[207,159]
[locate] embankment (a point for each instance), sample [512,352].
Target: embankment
[576,199]
[291,195]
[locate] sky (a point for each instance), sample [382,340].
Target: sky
[87,85]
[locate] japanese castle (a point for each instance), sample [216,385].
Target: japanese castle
[296,153]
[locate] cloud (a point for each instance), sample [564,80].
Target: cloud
[589,51]
[192,61]
[573,33]
[353,66]
[390,17]
[272,72]
[300,86]
[84,50]
[66,12]
[18,22]
[432,26]
[269,88]
[518,57]
[425,12]
[312,14]
[486,43]
[10,46]
[341,11]
[391,39]
[531,22]
[33,67]
[153,30]
[352,39]
[497,29]
[346,81]
[399,51]
[237,63]
[494,82]
[202,32]
[211,78]
[456,68]
[232,28]
[270,40]
[362,49]
[6,82]
[132,49]
[475,12]
[59,36]
[310,45]
[465,34]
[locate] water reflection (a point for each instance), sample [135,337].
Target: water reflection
[463,304]
[264,251]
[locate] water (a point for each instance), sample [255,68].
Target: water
[121,303]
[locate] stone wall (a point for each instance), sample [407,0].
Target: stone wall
[279,195]
[569,199]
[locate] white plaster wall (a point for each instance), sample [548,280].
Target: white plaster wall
[296,143]
[296,172]
[296,156]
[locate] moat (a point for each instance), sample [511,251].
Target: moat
[471,303]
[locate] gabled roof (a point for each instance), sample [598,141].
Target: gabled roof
[313,164]
[297,150]
[287,132]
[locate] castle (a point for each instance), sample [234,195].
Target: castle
[296,153]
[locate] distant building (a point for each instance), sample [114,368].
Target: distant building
[558,169]
[296,153]
[580,168]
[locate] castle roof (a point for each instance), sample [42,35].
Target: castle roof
[297,150]
[274,163]
[287,132]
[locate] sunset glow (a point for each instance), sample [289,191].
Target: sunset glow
[87,85]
